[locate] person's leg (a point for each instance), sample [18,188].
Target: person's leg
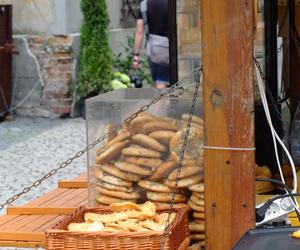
[160,75]
[161,85]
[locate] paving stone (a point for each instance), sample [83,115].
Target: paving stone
[31,147]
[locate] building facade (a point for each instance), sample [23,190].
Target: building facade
[46,34]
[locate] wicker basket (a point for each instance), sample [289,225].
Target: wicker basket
[58,238]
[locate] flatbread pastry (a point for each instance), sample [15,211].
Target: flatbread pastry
[104,218]
[198,236]
[199,195]
[111,169]
[85,227]
[119,138]
[112,179]
[163,171]
[196,246]
[195,206]
[149,142]
[154,186]
[163,136]
[197,201]
[167,205]
[185,172]
[114,187]
[109,129]
[111,152]
[194,227]
[107,200]
[140,152]
[165,197]
[152,225]
[124,206]
[117,226]
[194,147]
[158,125]
[199,221]
[186,182]
[152,163]
[133,226]
[118,194]
[195,119]
[132,168]
[199,215]
[136,125]
[199,187]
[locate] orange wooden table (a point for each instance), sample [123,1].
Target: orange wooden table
[24,226]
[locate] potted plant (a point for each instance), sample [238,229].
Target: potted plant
[95,56]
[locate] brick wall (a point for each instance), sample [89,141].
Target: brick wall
[56,62]
[189,36]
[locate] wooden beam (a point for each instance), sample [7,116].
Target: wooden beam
[227,47]
[22,236]
[15,210]
[72,184]
[23,244]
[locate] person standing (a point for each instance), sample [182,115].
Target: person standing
[154,23]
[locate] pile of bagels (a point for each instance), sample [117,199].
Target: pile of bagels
[140,163]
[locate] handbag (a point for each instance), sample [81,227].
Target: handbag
[157,47]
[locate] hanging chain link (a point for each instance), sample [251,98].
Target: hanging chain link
[259,69]
[177,86]
[181,157]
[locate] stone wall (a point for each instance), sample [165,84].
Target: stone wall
[51,28]
[51,96]
[189,36]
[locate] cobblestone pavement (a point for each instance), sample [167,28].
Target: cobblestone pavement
[31,147]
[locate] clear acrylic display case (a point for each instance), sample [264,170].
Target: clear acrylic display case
[112,180]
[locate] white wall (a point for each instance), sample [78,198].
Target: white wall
[56,17]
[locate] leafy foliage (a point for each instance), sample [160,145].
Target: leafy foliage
[123,61]
[95,56]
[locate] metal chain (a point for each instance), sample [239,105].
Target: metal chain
[181,157]
[261,73]
[177,86]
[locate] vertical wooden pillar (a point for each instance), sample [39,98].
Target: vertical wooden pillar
[227,47]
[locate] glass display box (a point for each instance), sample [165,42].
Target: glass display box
[139,162]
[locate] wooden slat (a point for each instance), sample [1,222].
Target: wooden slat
[39,210]
[14,220]
[6,219]
[51,195]
[25,244]
[22,236]
[48,225]
[227,39]
[72,184]
[63,200]
[42,220]
[58,199]
[19,221]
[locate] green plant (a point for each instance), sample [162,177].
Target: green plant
[95,56]
[121,81]
[123,61]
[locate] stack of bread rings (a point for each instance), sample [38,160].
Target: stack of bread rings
[141,162]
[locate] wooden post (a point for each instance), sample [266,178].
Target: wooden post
[227,41]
